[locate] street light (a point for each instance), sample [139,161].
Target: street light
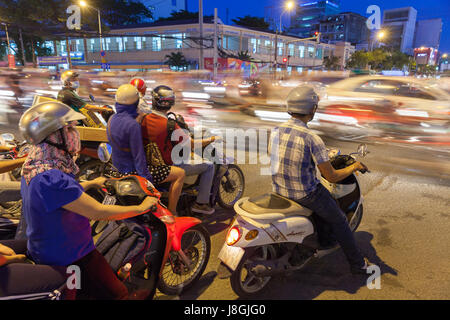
[379,36]
[84,4]
[288,6]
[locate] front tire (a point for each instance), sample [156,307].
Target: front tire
[176,277]
[245,284]
[231,188]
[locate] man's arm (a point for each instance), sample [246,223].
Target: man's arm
[8,165]
[332,175]
[138,152]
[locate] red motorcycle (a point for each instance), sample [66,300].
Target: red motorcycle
[183,242]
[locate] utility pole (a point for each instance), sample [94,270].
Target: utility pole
[215,43]
[200,22]
[68,52]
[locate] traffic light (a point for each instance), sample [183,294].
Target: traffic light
[285,60]
[317,35]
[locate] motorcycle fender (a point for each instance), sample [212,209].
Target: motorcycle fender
[181,225]
[223,271]
[290,229]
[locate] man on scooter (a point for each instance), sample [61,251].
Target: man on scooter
[299,150]
[69,96]
[154,128]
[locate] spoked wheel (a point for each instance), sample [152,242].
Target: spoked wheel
[90,170]
[242,281]
[176,276]
[356,219]
[231,187]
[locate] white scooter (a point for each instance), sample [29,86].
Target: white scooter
[274,235]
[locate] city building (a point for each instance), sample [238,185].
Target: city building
[346,26]
[426,56]
[309,14]
[145,46]
[399,25]
[163,8]
[428,33]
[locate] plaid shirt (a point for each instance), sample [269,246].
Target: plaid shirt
[295,151]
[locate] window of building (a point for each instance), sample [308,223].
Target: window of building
[179,40]
[280,48]
[319,53]
[108,44]
[291,50]
[311,52]
[301,51]
[120,44]
[138,41]
[156,43]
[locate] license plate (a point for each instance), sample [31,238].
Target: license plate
[109,200]
[231,256]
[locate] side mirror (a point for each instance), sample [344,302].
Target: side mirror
[8,137]
[362,150]
[91,97]
[104,152]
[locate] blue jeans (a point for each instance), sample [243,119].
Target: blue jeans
[206,172]
[323,205]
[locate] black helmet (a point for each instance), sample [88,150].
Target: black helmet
[163,98]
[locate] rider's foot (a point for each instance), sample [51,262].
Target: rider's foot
[202,208]
[363,269]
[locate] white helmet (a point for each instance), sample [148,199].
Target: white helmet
[127,94]
[302,100]
[41,120]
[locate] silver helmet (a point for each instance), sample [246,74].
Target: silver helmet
[41,120]
[302,100]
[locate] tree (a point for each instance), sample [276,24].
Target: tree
[358,60]
[176,60]
[244,56]
[331,63]
[252,22]
[182,15]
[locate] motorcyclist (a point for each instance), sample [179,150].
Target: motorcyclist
[298,150]
[141,86]
[154,128]
[125,136]
[69,96]
[57,209]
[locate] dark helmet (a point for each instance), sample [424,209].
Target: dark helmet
[163,98]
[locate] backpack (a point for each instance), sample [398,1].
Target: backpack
[123,242]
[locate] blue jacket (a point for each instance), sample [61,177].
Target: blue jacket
[125,138]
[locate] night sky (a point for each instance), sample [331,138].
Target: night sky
[426,9]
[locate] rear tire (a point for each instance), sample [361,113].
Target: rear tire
[251,285]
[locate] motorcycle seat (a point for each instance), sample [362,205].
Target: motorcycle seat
[271,206]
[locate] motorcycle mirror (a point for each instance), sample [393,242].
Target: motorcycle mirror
[92,98]
[104,152]
[8,137]
[362,150]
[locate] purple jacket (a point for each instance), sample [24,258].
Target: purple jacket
[125,138]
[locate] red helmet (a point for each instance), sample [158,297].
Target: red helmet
[139,84]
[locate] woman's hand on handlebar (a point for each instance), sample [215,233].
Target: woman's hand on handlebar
[95,183]
[148,203]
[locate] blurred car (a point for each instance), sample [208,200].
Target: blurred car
[387,106]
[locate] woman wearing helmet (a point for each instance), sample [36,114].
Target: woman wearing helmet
[125,137]
[141,86]
[55,206]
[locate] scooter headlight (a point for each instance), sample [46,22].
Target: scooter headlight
[234,234]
